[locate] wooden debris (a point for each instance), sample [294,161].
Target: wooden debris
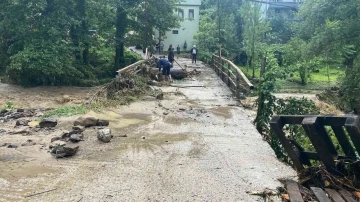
[40,193]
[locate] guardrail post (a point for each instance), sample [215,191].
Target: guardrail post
[222,70]
[229,75]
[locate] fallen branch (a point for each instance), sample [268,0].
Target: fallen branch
[40,193]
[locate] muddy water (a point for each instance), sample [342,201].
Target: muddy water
[192,147]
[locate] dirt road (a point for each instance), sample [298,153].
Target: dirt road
[198,146]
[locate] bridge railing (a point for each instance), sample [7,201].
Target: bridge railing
[232,76]
[325,151]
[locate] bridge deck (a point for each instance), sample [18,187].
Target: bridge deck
[198,146]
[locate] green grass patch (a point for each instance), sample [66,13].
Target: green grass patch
[66,111]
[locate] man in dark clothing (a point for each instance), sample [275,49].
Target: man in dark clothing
[178,49]
[165,65]
[158,48]
[171,55]
[194,53]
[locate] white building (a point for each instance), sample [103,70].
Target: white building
[189,11]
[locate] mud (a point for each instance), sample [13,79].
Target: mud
[202,150]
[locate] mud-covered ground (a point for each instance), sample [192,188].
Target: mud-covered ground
[199,146]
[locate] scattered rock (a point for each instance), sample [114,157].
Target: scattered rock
[3,111]
[76,138]
[104,135]
[160,96]
[103,122]
[2,131]
[60,151]
[182,109]
[48,123]
[28,143]
[12,146]
[86,121]
[79,129]
[143,137]
[166,113]
[122,136]
[66,99]
[20,110]
[22,122]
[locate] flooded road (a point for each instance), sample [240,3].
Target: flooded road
[196,145]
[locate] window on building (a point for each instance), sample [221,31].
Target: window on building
[191,13]
[175,31]
[181,14]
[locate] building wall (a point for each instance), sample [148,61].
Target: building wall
[188,27]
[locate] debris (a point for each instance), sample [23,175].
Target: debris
[122,135]
[55,139]
[28,143]
[143,137]
[3,111]
[60,151]
[39,193]
[166,113]
[104,135]
[22,122]
[79,129]
[21,131]
[48,123]
[76,138]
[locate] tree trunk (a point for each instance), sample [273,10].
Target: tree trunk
[261,99]
[121,23]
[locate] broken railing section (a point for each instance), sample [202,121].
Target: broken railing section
[232,76]
[314,127]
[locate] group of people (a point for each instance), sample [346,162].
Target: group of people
[165,64]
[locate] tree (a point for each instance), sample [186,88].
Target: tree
[254,31]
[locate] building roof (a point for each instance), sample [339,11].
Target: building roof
[190,3]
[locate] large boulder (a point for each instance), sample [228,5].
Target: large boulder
[86,121]
[104,135]
[48,123]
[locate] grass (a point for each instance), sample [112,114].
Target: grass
[318,81]
[66,111]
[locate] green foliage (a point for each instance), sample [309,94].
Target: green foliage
[350,90]
[66,111]
[8,105]
[66,42]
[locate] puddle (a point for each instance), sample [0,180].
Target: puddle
[18,172]
[222,111]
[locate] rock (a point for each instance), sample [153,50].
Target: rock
[143,137]
[104,135]
[20,110]
[103,123]
[182,109]
[60,151]
[80,129]
[12,146]
[48,123]
[55,139]
[2,131]
[66,99]
[22,122]
[28,143]
[160,96]
[21,131]
[76,138]
[86,121]
[122,136]
[3,111]
[166,113]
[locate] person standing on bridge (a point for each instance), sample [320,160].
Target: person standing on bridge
[166,65]
[171,55]
[194,53]
[178,49]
